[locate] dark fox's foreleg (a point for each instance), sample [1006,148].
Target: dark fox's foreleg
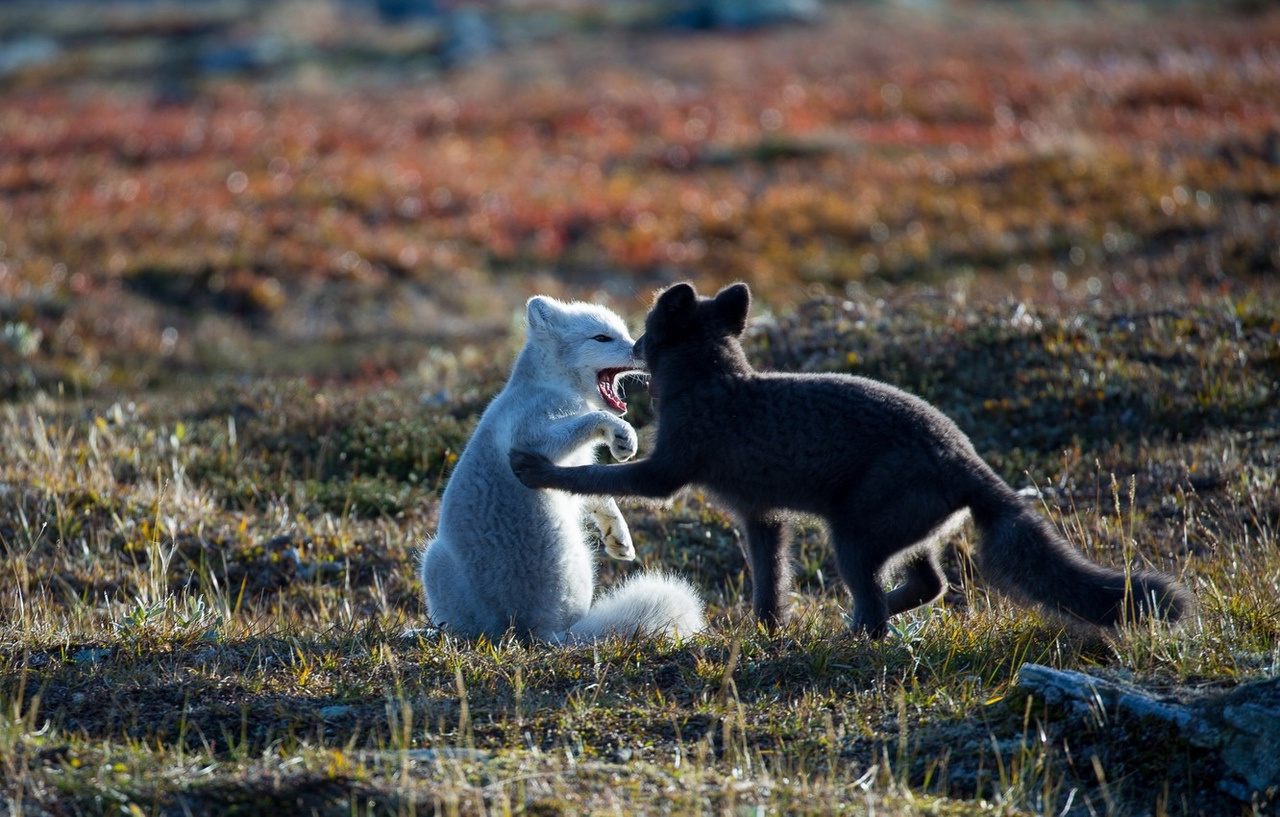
[768,550]
[646,478]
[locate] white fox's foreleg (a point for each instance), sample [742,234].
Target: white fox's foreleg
[618,434]
[564,436]
[613,528]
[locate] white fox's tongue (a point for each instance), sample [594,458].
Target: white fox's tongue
[604,382]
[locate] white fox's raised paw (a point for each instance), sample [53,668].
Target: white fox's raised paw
[622,439]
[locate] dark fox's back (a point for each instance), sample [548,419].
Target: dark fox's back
[800,441]
[852,416]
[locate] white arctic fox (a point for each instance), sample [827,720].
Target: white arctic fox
[506,556]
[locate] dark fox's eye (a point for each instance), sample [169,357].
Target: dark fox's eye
[603,338]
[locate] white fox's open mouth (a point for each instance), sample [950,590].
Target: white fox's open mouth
[606,382]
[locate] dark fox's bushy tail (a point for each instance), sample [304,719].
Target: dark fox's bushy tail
[1024,556]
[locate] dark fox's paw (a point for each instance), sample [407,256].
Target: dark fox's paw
[530,468]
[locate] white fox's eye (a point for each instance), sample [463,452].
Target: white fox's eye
[602,338]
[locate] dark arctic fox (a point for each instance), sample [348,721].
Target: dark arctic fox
[889,473]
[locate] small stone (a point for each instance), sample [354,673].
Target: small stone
[335,711]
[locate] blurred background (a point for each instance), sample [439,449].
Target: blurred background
[333,188]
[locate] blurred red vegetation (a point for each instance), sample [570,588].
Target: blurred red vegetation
[880,145]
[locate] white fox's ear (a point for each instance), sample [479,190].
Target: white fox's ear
[732,305]
[541,313]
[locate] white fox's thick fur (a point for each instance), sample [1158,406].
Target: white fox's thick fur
[509,557]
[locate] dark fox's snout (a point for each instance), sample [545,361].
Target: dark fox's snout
[638,349]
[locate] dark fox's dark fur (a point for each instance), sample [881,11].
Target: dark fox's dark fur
[886,470]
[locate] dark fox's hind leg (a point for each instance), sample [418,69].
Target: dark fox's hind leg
[860,564]
[768,550]
[874,530]
[922,581]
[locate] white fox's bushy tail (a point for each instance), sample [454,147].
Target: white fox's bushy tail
[646,604]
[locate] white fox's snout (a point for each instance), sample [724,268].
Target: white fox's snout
[607,385]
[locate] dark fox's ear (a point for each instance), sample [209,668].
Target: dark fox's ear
[677,302]
[732,305]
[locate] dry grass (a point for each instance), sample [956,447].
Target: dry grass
[174,639]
